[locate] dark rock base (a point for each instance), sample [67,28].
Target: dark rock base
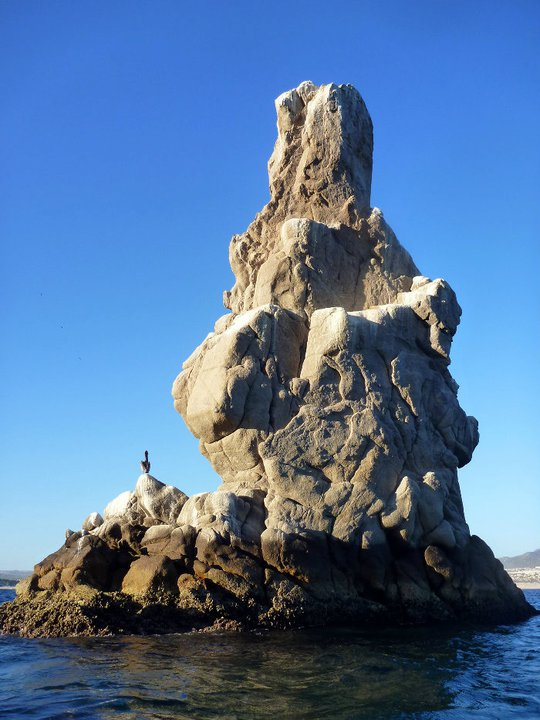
[87,612]
[92,587]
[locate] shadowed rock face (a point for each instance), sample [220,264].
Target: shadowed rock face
[324,401]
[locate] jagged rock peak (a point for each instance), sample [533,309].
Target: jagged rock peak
[323,153]
[317,243]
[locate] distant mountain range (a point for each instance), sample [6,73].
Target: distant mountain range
[527,560]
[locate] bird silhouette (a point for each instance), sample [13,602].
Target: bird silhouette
[145,464]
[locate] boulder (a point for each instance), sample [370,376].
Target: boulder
[83,560]
[177,543]
[119,506]
[161,502]
[93,521]
[150,575]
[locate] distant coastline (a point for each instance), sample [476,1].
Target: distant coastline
[10,578]
[524,569]
[525,578]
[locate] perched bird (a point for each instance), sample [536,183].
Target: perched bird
[145,464]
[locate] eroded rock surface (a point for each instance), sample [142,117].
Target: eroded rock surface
[325,402]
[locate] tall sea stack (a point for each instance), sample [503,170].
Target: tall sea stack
[324,401]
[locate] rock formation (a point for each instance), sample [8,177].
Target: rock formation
[324,401]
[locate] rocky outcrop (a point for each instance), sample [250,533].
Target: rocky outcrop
[325,402]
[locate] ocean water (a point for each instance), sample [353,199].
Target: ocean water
[338,674]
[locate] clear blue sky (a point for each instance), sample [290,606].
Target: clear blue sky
[134,142]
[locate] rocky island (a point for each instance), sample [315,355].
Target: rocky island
[324,401]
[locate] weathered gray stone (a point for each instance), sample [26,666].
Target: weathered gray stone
[93,521]
[325,402]
[119,506]
[150,575]
[320,171]
[177,543]
[159,501]
[81,561]
[327,389]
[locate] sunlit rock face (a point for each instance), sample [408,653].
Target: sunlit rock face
[324,400]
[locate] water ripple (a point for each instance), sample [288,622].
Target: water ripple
[338,674]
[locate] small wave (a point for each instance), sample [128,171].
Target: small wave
[436,673]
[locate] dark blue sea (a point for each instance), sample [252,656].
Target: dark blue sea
[312,674]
